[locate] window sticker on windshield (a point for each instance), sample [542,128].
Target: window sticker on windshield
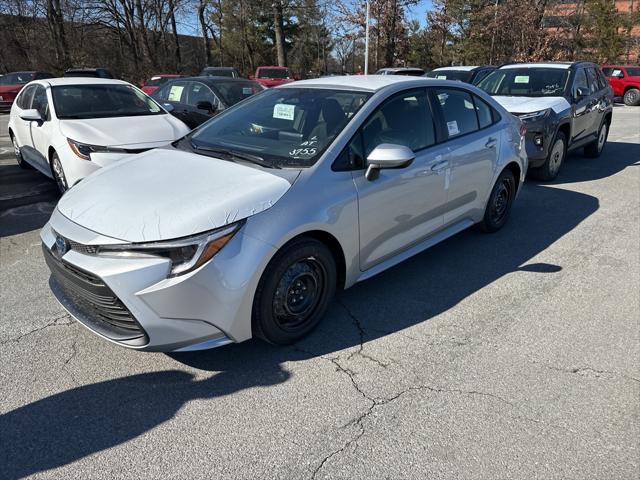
[453,128]
[441,77]
[521,79]
[443,98]
[175,93]
[247,90]
[284,111]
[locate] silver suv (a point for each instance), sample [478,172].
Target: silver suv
[248,225]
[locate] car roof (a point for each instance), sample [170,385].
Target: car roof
[274,66]
[219,68]
[368,83]
[55,82]
[559,65]
[463,68]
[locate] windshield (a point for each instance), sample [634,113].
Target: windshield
[231,92]
[17,78]
[274,73]
[462,75]
[100,101]
[286,127]
[526,82]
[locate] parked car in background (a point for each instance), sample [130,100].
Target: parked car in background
[409,71]
[248,225]
[68,128]
[272,76]
[564,106]
[220,72]
[625,82]
[156,82]
[12,83]
[195,100]
[89,73]
[468,74]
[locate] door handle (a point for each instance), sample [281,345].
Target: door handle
[491,143]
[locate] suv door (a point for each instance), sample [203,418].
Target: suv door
[582,108]
[402,206]
[473,140]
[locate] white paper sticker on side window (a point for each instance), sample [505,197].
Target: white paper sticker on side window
[441,77]
[284,111]
[247,90]
[521,79]
[453,128]
[175,93]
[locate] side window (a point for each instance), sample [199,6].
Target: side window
[485,112]
[24,100]
[40,102]
[580,81]
[601,80]
[162,93]
[458,111]
[405,119]
[594,85]
[607,71]
[199,92]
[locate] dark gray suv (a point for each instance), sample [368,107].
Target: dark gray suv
[564,106]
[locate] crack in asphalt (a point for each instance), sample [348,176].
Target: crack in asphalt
[582,370]
[361,335]
[54,322]
[74,352]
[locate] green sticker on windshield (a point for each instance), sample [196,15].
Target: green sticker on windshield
[521,79]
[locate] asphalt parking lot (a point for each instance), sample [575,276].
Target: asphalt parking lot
[512,355]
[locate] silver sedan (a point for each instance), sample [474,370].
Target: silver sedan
[248,225]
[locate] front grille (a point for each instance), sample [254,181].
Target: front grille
[94,300]
[82,248]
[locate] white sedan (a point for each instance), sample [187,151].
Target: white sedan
[69,127]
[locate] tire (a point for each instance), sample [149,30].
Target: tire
[16,150]
[58,173]
[294,291]
[594,149]
[551,167]
[632,97]
[498,207]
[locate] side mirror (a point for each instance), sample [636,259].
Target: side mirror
[31,115]
[581,92]
[387,155]
[205,105]
[168,107]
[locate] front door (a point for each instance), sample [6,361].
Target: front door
[402,206]
[40,132]
[583,107]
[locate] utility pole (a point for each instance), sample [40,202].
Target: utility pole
[495,27]
[366,43]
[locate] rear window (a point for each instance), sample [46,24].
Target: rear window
[218,72]
[17,78]
[274,73]
[233,92]
[462,75]
[634,72]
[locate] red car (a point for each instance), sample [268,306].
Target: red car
[156,82]
[272,76]
[12,83]
[625,82]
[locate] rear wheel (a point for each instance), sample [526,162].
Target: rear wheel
[595,148]
[499,204]
[58,173]
[631,97]
[294,292]
[551,167]
[18,154]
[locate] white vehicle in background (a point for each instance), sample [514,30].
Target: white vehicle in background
[68,128]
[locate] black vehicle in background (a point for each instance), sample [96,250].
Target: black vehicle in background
[468,74]
[196,99]
[220,72]
[89,72]
[408,71]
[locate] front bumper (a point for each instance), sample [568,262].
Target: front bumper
[208,307]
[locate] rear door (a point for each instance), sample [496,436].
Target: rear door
[473,138]
[582,121]
[600,102]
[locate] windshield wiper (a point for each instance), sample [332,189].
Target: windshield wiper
[248,157]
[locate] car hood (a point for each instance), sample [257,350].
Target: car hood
[167,193]
[532,104]
[124,131]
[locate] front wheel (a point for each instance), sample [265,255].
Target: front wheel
[631,97]
[499,204]
[294,292]
[58,173]
[18,154]
[551,167]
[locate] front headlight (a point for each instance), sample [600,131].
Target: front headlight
[84,150]
[186,254]
[534,116]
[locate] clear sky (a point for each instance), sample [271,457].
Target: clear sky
[419,12]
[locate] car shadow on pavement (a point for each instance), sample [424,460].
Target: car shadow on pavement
[73,424]
[615,157]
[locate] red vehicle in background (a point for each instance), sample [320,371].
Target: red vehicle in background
[625,82]
[272,76]
[12,83]
[156,82]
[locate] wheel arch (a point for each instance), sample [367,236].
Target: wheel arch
[517,172]
[565,128]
